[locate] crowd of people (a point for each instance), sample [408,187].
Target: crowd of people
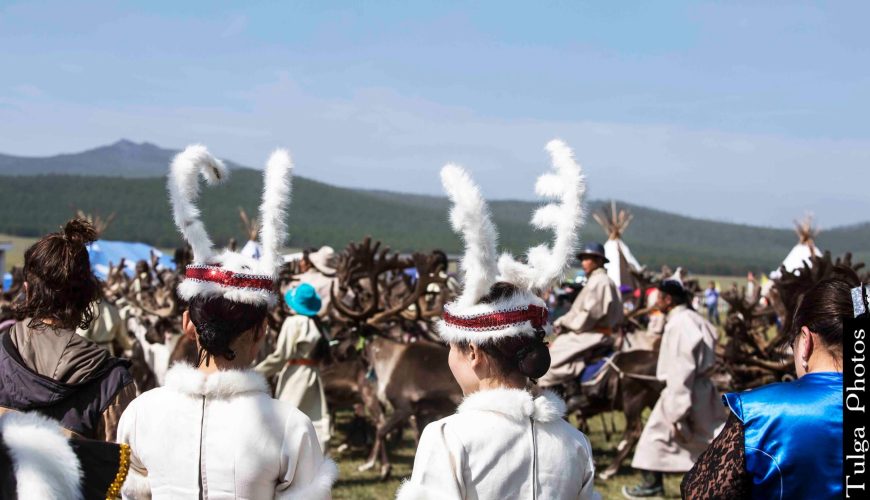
[73,425]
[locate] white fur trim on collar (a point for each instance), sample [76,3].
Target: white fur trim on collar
[452,333]
[318,489]
[222,384]
[45,464]
[516,404]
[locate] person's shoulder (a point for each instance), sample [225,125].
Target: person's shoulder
[285,411]
[746,404]
[571,436]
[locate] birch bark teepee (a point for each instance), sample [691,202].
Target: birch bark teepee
[622,262]
[805,249]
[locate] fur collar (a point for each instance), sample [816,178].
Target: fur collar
[45,464]
[222,384]
[516,404]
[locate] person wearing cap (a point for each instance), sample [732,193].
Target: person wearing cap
[317,271]
[294,360]
[595,314]
[213,430]
[507,439]
[688,414]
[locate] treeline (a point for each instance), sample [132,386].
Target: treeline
[323,214]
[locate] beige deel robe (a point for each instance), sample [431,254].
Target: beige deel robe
[689,412]
[108,325]
[300,385]
[598,307]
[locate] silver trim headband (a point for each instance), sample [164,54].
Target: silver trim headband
[859,300]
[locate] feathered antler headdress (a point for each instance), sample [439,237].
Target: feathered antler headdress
[524,313]
[230,275]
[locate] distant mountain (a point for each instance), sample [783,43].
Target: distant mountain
[34,201]
[122,159]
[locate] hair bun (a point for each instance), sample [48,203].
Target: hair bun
[536,361]
[80,231]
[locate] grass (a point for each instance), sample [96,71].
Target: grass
[366,485]
[15,256]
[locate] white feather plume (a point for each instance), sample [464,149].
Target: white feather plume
[277,182]
[564,217]
[183,188]
[470,218]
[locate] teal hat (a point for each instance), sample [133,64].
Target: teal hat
[303,299]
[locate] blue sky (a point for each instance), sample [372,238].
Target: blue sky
[751,112]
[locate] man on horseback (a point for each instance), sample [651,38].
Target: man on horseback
[592,319]
[688,414]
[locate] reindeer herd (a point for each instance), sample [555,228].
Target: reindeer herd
[386,367]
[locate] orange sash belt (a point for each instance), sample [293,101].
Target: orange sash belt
[302,362]
[606,330]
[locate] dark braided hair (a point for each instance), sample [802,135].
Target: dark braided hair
[219,322]
[61,288]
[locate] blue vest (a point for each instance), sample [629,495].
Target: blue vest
[793,436]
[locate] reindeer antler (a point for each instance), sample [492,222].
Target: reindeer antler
[425,276]
[567,186]
[364,261]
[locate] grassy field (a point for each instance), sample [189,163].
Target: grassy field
[366,485]
[15,256]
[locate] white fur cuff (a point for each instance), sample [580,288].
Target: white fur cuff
[318,489]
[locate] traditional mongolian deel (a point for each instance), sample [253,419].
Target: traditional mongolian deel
[231,275]
[506,442]
[466,319]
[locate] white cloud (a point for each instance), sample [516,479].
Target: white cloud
[28,90]
[236,26]
[377,138]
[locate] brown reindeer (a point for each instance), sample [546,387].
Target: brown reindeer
[411,378]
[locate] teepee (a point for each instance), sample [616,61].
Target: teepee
[252,248]
[805,248]
[622,262]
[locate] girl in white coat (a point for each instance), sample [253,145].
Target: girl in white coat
[213,431]
[507,440]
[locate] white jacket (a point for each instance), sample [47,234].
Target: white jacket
[222,433]
[502,444]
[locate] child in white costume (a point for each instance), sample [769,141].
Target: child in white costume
[506,440]
[213,431]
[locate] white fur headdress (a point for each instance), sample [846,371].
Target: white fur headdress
[524,313]
[230,275]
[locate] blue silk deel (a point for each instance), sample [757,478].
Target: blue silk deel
[793,436]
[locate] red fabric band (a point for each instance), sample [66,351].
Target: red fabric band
[497,320]
[223,277]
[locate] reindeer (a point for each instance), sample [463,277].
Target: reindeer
[411,378]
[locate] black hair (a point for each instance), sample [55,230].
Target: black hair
[219,322]
[527,355]
[823,310]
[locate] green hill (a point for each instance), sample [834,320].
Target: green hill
[324,214]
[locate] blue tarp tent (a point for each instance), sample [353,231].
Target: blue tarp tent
[103,252]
